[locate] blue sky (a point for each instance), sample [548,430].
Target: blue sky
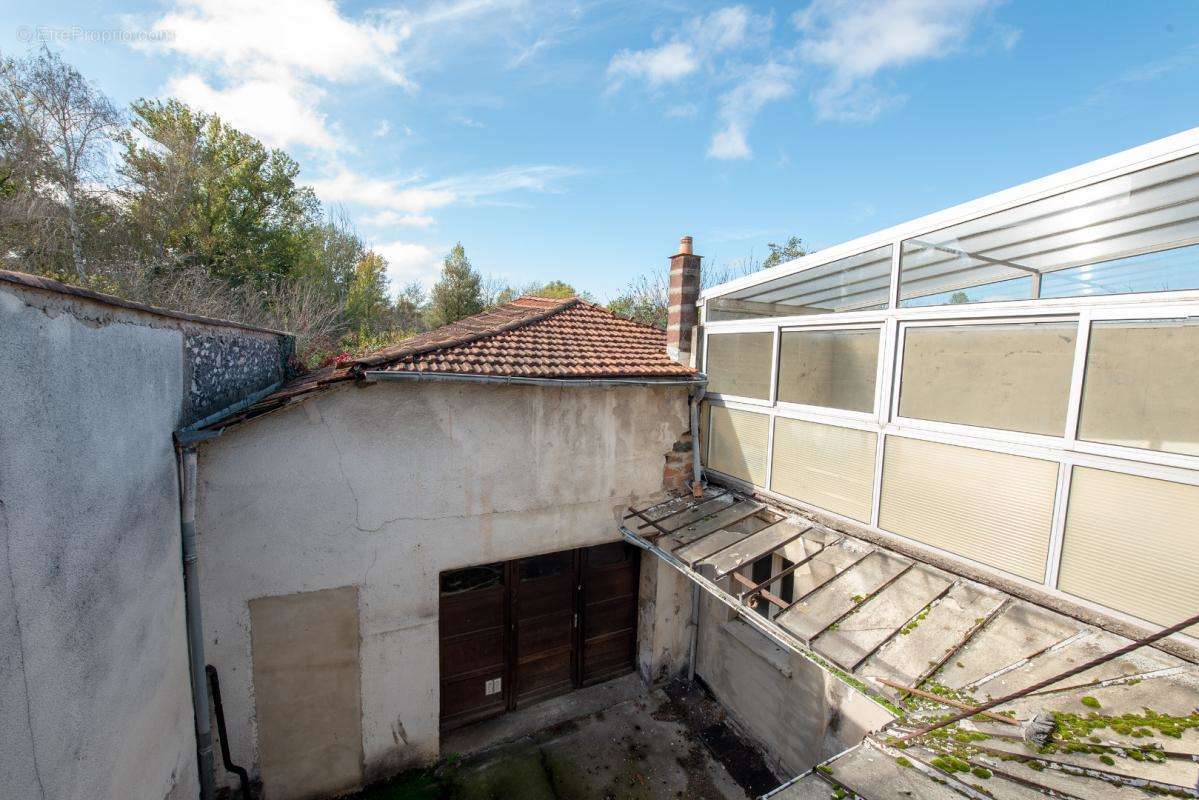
[579,140]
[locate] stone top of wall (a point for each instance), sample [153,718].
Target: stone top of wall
[28,281]
[222,361]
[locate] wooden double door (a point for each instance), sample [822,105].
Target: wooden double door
[516,632]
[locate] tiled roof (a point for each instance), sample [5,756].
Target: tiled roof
[530,337]
[535,337]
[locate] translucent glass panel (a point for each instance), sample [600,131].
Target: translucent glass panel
[1013,377]
[738,443]
[855,283]
[1140,388]
[1100,239]
[739,364]
[1144,565]
[825,465]
[835,369]
[992,507]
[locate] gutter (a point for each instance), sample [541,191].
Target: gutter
[373,376]
[191,434]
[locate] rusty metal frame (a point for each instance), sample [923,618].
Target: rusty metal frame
[755,620]
[891,636]
[873,594]
[789,570]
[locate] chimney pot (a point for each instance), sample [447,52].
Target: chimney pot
[682,315]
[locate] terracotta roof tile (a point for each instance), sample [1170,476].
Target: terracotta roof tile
[531,337]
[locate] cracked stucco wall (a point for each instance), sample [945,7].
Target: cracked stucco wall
[384,487]
[94,688]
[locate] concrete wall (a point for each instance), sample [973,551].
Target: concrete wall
[94,685]
[797,711]
[663,621]
[383,488]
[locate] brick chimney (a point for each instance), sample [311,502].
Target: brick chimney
[681,315]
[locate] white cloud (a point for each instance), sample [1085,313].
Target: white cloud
[741,105]
[656,66]
[727,29]
[408,262]
[696,44]
[853,41]
[301,37]
[264,66]
[683,111]
[1109,91]
[280,112]
[382,129]
[390,219]
[410,199]
[348,186]
[710,49]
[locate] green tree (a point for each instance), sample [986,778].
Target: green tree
[410,308]
[201,192]
[458,293]
[367,309]
[497,292]
[555,289]
[335,252]
[54,131]
[782,253]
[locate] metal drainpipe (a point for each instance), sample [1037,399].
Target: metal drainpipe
[195,633]
[691,655]
[697,489]
[697,470]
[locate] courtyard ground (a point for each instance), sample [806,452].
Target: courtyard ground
[666,744]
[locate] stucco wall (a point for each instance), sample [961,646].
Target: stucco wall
[797,711]
[383,488]
[94,688]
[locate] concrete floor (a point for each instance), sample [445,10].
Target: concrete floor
[655,746]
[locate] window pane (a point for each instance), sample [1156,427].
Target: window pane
[856,283]
[1013,377]
[1145,567]
[464,580]
[603,555]
[739,364]
[825,465]
[835,369]
[1140,388]
[546,566]
[738,443]
[1106,238]
[993,507]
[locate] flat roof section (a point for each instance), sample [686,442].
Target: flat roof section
[929,643]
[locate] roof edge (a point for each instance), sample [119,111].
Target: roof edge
[390,354]
[30,281]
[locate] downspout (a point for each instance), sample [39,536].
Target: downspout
[697,490]
[697,470]
[195,635]
[186,439]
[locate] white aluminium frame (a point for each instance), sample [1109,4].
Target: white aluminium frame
[1066,450]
